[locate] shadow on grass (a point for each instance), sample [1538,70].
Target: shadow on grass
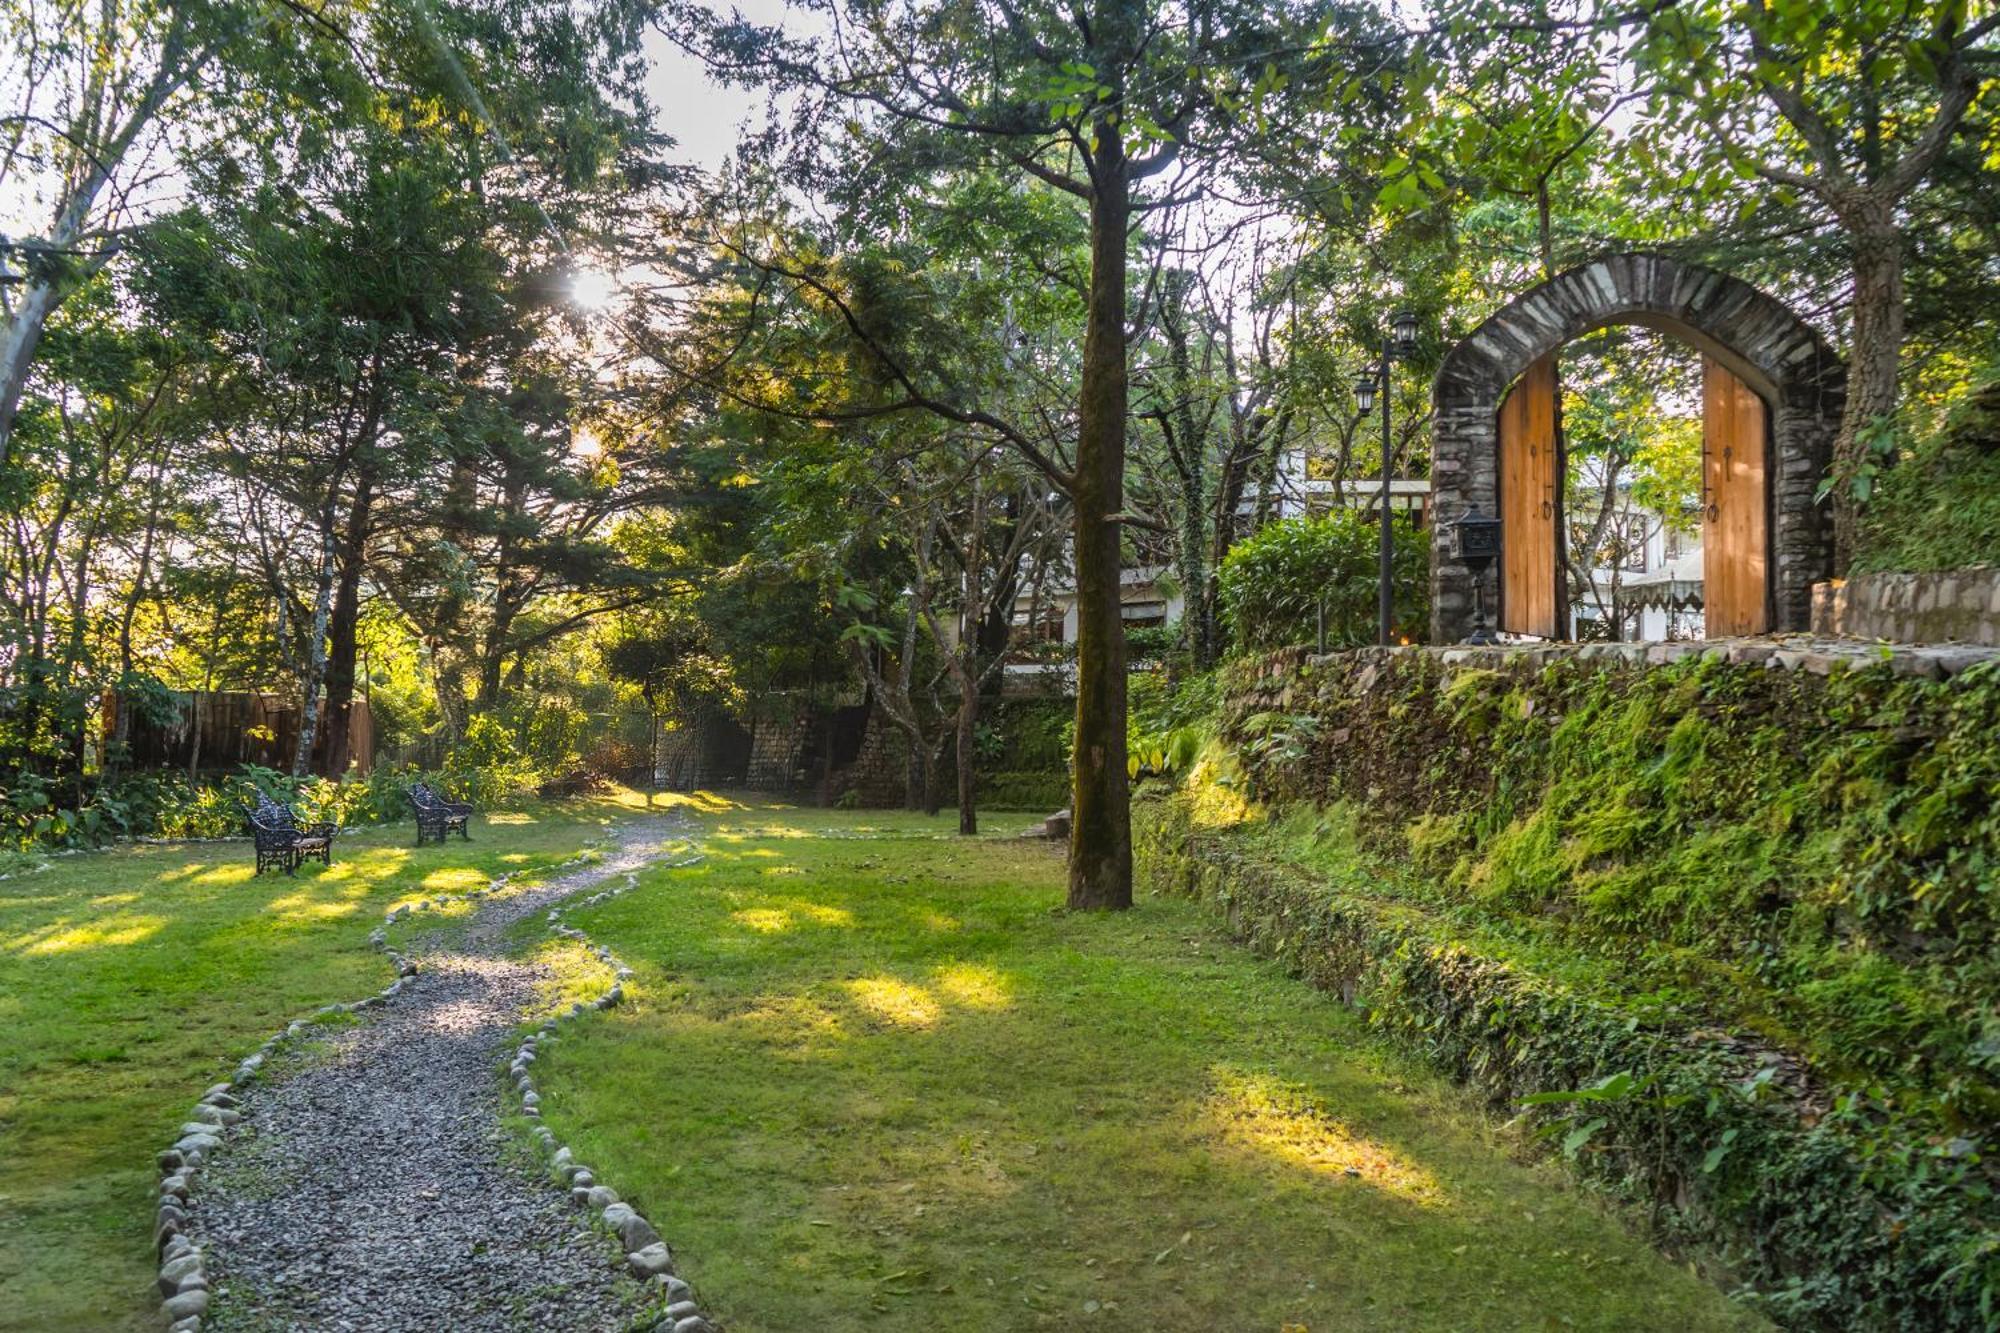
[900,1088]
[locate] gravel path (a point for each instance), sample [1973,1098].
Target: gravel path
[375,1189]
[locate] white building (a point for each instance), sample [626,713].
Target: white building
[1654,589]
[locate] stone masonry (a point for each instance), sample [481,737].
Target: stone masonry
[1949,606]
[1778,355]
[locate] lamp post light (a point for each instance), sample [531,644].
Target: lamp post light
[1399,343]
[1476,542]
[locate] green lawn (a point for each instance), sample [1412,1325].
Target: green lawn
[132,979]
[884,1082]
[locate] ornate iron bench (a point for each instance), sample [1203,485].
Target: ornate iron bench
[283,839]
[437,817]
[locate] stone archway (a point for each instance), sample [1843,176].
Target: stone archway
[1780,357]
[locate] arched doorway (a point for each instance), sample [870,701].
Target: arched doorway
[1772,395]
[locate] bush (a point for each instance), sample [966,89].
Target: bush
[1275,583]
[160,804]
[1023,734]
[1152,643]
[1939,507]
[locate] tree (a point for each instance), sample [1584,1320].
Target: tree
[1852,107]
[1120,105]
[1632,456]
[82,147]
[382,287]
[86,500]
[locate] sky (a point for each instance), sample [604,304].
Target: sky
[702,116]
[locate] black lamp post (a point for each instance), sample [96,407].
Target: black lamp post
[1399,342]
[1476,542]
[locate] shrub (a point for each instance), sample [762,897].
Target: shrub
[1023,734]
[1939,507]
[34,815]
[1275,584]
[1152,643]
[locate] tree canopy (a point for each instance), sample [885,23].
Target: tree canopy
[391,358]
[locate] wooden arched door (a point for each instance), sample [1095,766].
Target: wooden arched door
[1735,527]
[1530,505]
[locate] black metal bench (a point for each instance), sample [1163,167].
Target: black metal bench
[437,817]
[283,839]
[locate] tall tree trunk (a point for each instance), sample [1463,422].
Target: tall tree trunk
[968,720]
[122,736]
[916,773]
[1872,369]
[1195,620]
[933,787]
[448,680]
[967,659]
[345,631]
[493,651]
[1100,844]
[84,714]
[19,337]
[996,626]
[826,759]
[315,673]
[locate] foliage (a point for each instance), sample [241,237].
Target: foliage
[167,804]
[1939,506]
[1029,734]
[1031,789]
[1152,643]
[1800,862]
[1276,584]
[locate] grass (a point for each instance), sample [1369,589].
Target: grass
[882,1081]
[133,978]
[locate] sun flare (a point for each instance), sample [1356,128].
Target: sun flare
[593,288]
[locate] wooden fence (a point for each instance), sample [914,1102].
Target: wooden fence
[220,729]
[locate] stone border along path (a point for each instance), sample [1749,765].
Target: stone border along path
[368,1189]
[645,1253]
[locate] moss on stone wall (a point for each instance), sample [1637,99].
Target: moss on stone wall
[1742,921]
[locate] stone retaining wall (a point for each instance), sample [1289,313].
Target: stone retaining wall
[1951,606]
[1819,655]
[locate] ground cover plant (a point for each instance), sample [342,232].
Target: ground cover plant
[1755,903]
[133,978]
[872,1077]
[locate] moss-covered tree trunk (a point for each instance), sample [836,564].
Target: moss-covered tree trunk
[1871,375]
[1100,847]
